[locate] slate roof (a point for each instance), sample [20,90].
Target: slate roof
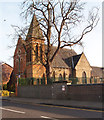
[59,60]
[34,30]
[76,59]
[97,71]
[72,60]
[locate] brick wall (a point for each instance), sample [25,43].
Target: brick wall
[20,59]
[6,72]
[86,92]
[59,90]
[44,92]
[91,92]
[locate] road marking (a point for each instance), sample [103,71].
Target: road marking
[61,107]
[12,110]
[48,117]
[73,108]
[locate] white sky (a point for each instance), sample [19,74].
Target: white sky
[9,15]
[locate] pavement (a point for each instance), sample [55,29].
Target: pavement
[53,102]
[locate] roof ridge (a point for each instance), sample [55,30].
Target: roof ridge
[96,67]
[2,63]
[67,49]
[77,55]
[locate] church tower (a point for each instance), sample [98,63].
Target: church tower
[35,47]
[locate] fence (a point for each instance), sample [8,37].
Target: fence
[42,81]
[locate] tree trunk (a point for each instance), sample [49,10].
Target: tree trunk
[49,48]
[48,73]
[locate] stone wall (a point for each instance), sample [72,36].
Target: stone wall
[61,71]
[83,66]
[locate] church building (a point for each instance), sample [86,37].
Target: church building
[67,63]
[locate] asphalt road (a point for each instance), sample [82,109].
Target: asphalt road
[18,110]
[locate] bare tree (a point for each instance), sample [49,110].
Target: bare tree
[58,20]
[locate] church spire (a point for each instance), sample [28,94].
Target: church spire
[34,31]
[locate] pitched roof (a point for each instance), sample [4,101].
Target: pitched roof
[34,30]
[72,60]
[76,59]
[97,71]
[59,60]
[3,63]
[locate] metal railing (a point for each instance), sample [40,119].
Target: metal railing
[42,81]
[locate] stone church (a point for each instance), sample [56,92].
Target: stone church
[66,64]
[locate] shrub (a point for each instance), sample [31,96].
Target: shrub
[5,87]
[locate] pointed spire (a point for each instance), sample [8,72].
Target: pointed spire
[19,39]
[34,31]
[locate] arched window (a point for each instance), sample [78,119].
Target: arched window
[28,55]
[60,77]
[84,78]
[41,53]
[36,52]
[64,76]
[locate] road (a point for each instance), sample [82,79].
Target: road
[19,110]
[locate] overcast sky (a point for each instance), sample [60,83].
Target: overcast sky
[9,15]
